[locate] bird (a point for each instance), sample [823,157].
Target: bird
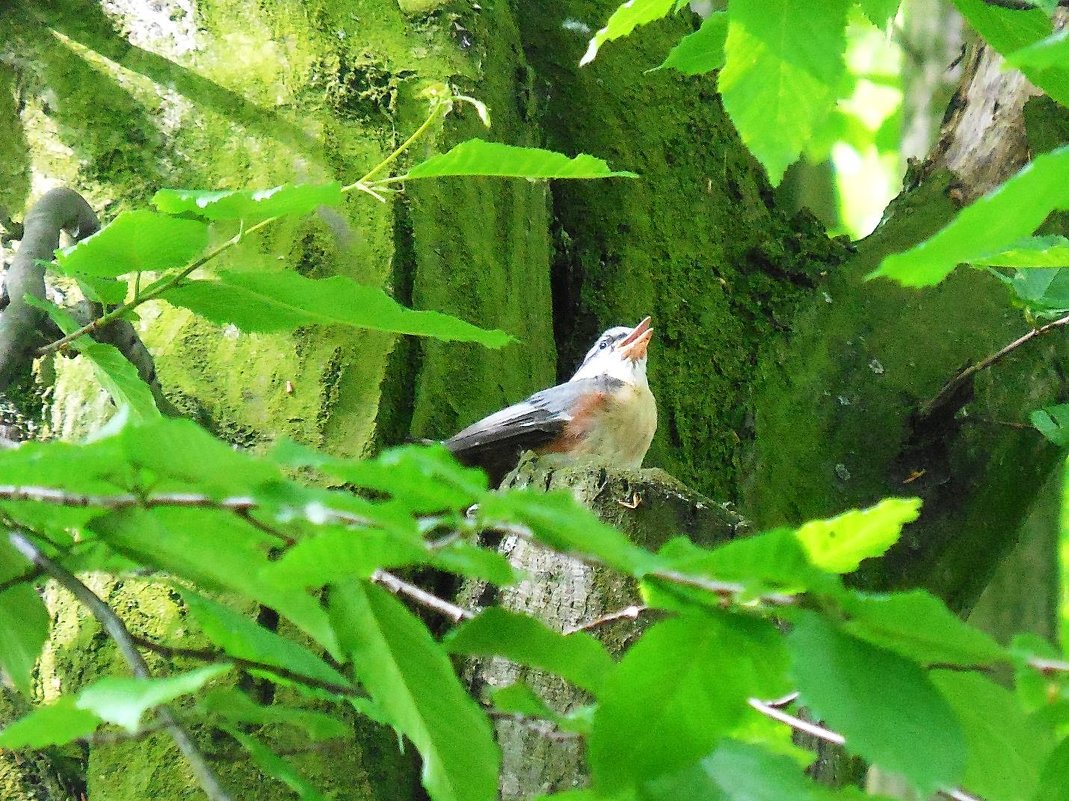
[604,413]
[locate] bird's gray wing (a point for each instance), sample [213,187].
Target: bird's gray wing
[495,442]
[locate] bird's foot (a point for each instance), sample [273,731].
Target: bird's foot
[636,499]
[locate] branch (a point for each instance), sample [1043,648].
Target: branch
[210,655]
[954,384]
[1020,5]
[399,587]
[627,613]
[118,632]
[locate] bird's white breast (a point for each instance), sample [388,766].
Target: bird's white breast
[623,427]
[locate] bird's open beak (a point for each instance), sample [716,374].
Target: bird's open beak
[634,345]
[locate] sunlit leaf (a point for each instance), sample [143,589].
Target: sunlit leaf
[469,560]
[250,205]
[54,724]
[839,544]
[1006,748]
[340,552]
[703,50]
[492,159]
[880,12]
[232,705]
[1055,776]
[784,63]
[124,701]
[24,621]
[498,632]
[283,301]
[677,691]
[136,241]
[1053,423]
[885,705]
[520,699]
[625,19]
[1036,251]
[412,680]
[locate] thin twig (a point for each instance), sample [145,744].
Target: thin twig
[211,655]
[1049,665]
[118,632]
[1020,5]
[400,587]
[30,575]
[954,384]
[627,613]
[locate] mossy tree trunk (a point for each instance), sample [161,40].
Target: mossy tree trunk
[120,98]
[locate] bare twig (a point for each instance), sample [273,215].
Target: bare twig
[1049,665]
[211,655]
[400,587]
[118,632]
[1020,5]
[627,613]
[954,384]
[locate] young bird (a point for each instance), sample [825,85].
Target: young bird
[604,413]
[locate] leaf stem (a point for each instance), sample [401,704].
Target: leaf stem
[118,632]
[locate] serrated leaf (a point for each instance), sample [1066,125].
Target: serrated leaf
[737,771]
[24,623]
[989,225]
[412,680]
[283,301]
[54,724]
[784,64]
[232,705]
[839,544]
[477,157]
[276,767]
[918,625]
[1006,748]
[701,51]
[880,12]
[1035,251]
[124,701]
[250,205]
[557,519]
[678,690]
[136,241]
[578,657]
[1053,423]
[244,639]
[625,19]
[883,704]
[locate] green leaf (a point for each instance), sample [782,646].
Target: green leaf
[465,559]
[215,551]
[1006,748]
[880,12]
[250,205]
[123,701]
[839,544]
[520,699]
[412,680]
[1053,423]
[234,706]
[136,241]
[701,51]
[1055,776]
[1035,251]
[283,301]
[24,620]
[918,625]
[275,766]
[737,771]
[337,553]
[1043,291]
[492,159]
[885,705]
[556,519]
[578,657]
[244,639]
[784,64]
[114,371]
[990,225]
[54,724]
[677,691]
[625,19]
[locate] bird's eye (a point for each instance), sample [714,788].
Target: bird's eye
[604,344]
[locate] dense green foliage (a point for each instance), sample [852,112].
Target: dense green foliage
[732,637]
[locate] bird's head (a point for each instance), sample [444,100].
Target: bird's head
[619,353]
